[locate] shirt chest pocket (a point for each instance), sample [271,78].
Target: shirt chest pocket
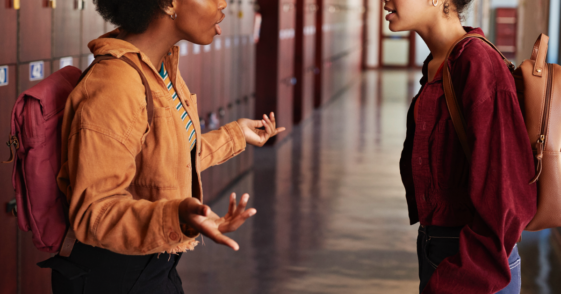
[158,163]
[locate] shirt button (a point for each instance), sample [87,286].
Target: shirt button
[173,236]
[420,161]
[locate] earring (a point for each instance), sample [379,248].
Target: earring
[173,17]
[434,4]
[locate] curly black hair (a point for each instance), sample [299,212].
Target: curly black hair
[460,5]
[133,16]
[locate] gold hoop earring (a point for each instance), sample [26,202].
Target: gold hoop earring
[434,4]
[173,17]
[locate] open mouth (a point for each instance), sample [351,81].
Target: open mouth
[217,27]
[390,11]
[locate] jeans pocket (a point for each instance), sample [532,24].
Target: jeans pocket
[439,248]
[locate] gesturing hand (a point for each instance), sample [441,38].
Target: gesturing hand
[205,221]
[255,136]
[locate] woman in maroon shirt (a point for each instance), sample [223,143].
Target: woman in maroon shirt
[472,213]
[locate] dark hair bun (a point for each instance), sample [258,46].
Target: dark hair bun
[133,16]
[460,5]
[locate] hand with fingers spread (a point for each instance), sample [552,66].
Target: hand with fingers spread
[254,135]
[201,218]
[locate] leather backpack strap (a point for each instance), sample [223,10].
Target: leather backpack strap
[454,106]
[70,237]
[148,92]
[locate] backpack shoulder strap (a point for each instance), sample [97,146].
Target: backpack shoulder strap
[148,92]
[454,106]
[70,237]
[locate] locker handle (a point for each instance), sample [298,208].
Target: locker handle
[12,207]
[16,4]
[52,4]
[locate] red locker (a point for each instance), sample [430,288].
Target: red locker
[506,31]
[66,31]
[35,280]
[8,35]
[34,30]
[8,223]
[320,36]
[93,25]
[304,61]
[275,63]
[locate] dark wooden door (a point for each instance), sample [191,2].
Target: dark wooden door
[8,33]
[34,30]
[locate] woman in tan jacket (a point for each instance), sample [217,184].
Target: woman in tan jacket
[134,188]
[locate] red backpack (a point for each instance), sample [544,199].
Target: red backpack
[35,150]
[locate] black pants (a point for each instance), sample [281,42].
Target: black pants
[434,244]
[94,270]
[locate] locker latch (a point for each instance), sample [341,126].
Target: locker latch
[52,4]
[16,4]
[11,207]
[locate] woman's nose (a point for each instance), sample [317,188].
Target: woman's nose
[222,4]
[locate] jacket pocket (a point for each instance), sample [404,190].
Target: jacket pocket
[157,164]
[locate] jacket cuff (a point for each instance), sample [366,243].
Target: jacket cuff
[236,133]
[171,227]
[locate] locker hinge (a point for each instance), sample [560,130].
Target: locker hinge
[52,4]
[16,4]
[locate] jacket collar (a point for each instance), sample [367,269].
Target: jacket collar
[456,53]
[108,44]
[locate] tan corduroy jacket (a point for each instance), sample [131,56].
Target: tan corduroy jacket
[124,180]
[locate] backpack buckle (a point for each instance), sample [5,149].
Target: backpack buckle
[13,142]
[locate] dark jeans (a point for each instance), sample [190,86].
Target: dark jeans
[434,244]
[95,270]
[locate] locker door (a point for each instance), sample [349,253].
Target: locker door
[93,26]
[66,29]
[8,223]
[36,280]
[287,80]
[319,49]
[8,35]
[34,30]
[304,61]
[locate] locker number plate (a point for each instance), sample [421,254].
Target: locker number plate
[3,75]
[66,61]
[36,71]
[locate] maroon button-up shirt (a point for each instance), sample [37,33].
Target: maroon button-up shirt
[490,196]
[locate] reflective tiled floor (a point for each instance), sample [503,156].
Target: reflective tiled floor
[332,217]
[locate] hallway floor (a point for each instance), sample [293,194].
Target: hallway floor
[331,212]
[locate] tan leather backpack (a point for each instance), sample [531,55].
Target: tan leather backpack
[538,85]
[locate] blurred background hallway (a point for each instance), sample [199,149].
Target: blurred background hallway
[332,216]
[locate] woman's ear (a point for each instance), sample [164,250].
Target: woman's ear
[171,9]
